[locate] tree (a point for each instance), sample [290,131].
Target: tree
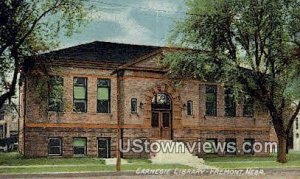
[252,44]
[29,27]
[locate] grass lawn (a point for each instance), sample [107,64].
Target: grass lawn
[242,162]
[15,163]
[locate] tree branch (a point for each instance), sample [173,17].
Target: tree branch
[35,22]
[12,88]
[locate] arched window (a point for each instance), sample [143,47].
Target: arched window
[161,101]
[297,135]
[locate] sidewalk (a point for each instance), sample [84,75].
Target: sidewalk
[268,173]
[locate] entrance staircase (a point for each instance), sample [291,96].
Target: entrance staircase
[179,155]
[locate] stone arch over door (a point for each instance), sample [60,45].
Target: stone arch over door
[176,104]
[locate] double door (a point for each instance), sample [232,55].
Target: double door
[161,124]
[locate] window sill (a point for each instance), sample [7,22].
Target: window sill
[231,117]
[53,113]
[107,113]
[79,155]
[56,112]
[79,112]
[54,155]
[249,117]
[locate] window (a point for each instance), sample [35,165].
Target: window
[79,146]
[54,146]
[248,106]
[55,94]
[155,119]
[133,105]
[104,147]
[230,146]
[103,102]
[297,123]
[212,147]
[248,146]
[1,114]
[161,101]
[166,120]
[2,132]
[297,135]
[190,108]
[80,94]
[211,100]
[229,102]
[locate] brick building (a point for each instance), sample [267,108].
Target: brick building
[108,87]
[8,122]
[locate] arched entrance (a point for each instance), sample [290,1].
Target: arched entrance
[161,116]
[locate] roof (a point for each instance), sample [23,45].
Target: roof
[102,52]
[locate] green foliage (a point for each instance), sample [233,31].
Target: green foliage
[15,163]
[30,27]
[250,44]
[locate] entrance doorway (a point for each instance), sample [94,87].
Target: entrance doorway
[161,119]
[104,147]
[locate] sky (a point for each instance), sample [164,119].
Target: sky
[144,22]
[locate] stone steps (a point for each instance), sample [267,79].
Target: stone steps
[178,155]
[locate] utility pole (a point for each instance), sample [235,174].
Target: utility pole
[119,130]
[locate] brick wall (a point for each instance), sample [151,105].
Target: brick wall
[41,124]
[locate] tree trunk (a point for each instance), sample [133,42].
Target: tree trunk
[287,146]
[281,151]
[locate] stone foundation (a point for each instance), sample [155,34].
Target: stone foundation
[36,139]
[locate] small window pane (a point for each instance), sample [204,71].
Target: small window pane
[229,102]
[166,120]
[190,108]
[133,105]
[80,81]
[79,92]
[54,150]
[54,142]
[79,151]
[103,93]
[80,106]
[211,100]
[154,121]
[55,93]
[103,106]
[79,142]
[103,82]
